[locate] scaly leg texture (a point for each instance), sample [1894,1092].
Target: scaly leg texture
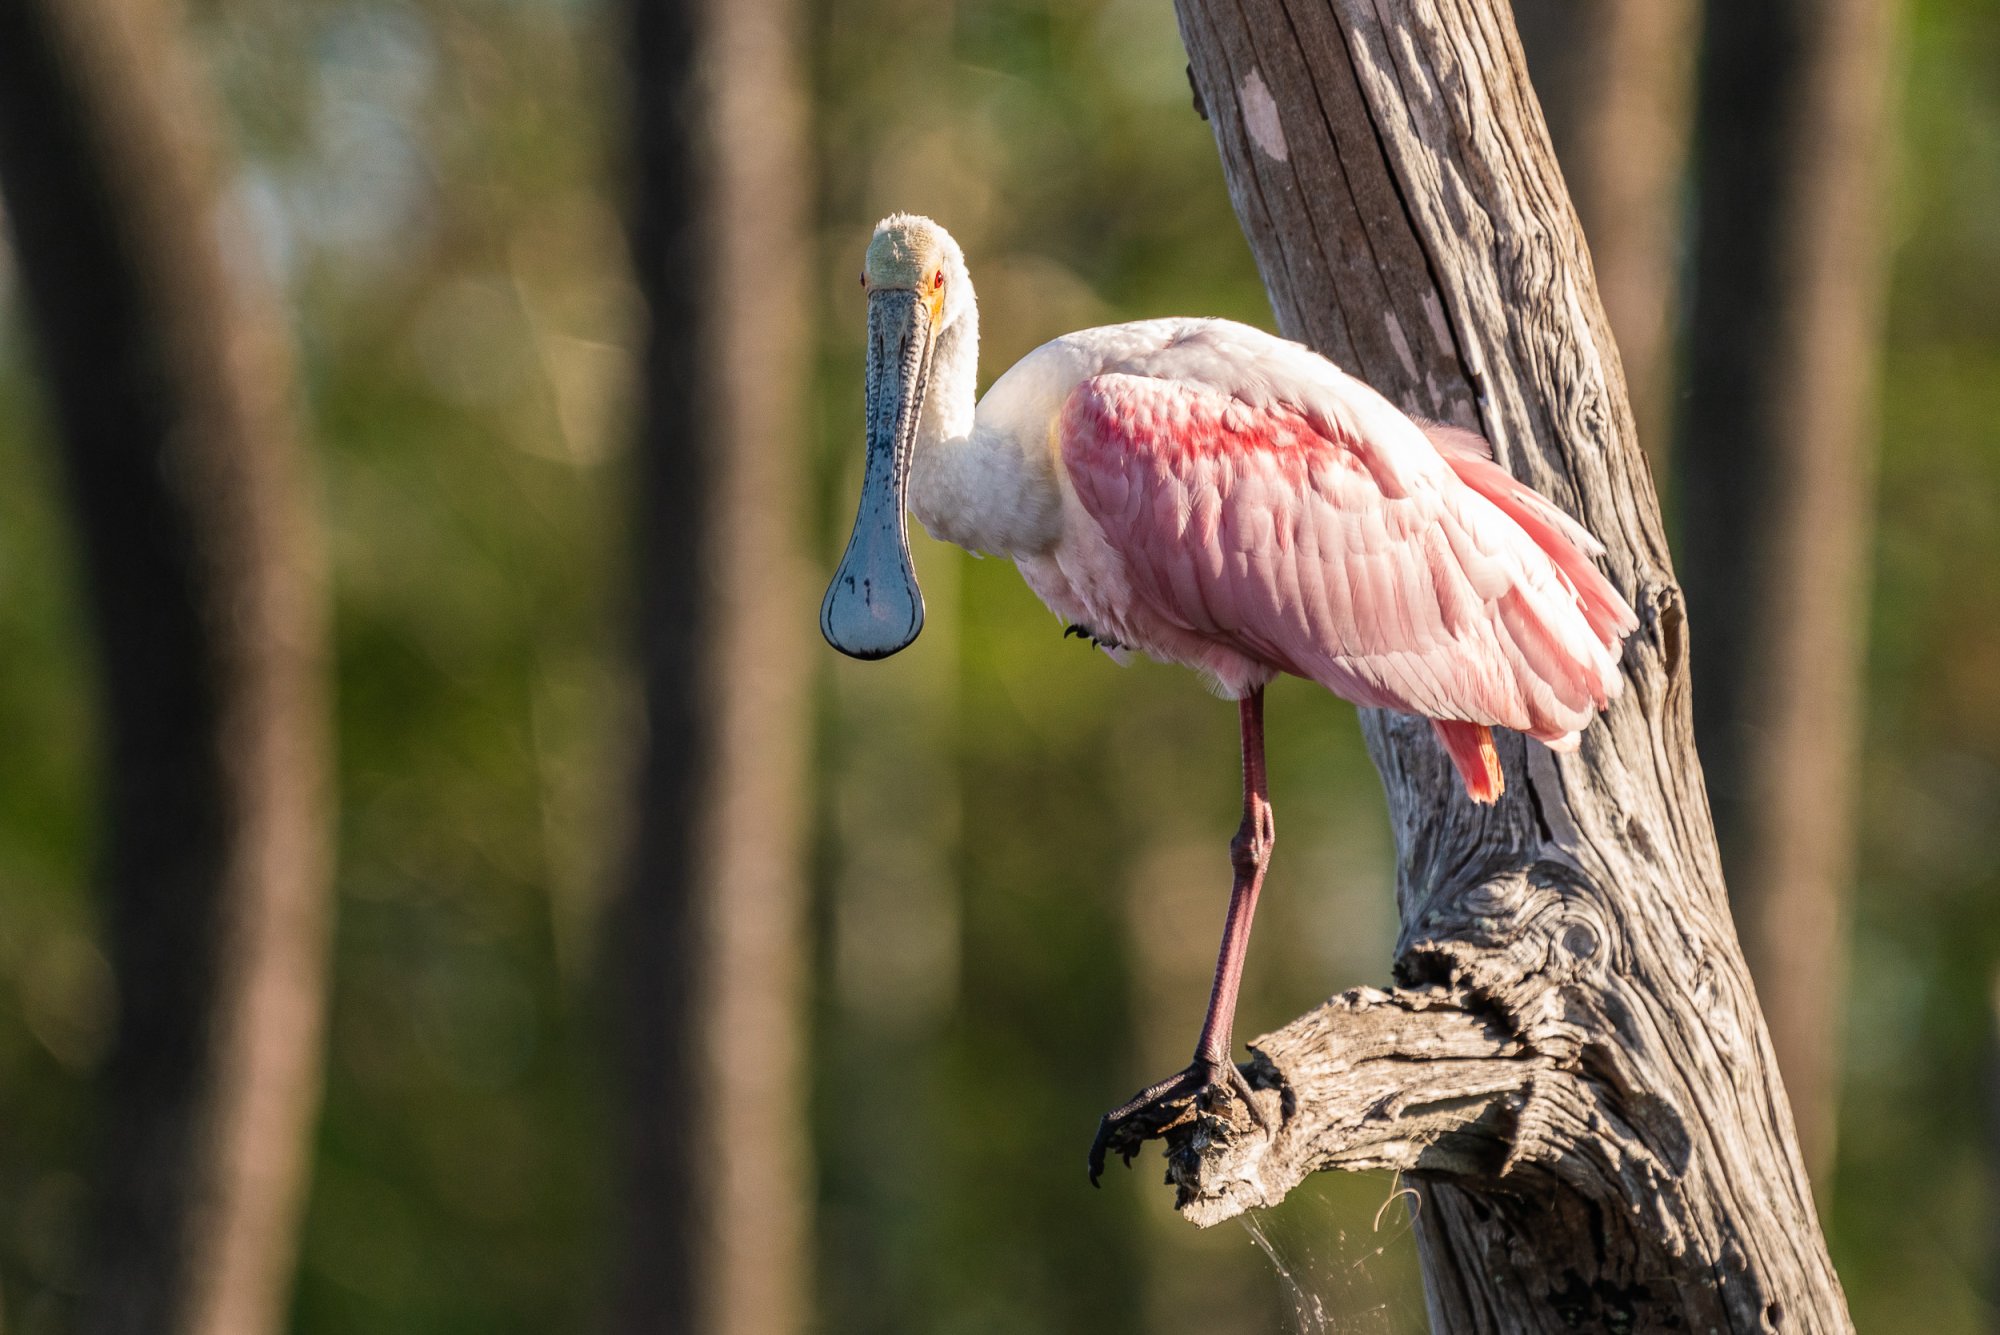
[1174,1099]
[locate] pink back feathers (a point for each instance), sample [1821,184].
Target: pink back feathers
[1322,533]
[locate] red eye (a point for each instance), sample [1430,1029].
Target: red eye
[937,280]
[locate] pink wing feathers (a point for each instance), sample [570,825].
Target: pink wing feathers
[1569,544]
[1330,539]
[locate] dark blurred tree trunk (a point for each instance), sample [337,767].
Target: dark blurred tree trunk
[171,387]
[705,953]
[1616,82]
[1776,463]
[1572,1068]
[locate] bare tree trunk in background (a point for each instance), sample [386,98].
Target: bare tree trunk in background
[171,384]
[1616,82]
[1573,1068]
[705,954]
[1777,450]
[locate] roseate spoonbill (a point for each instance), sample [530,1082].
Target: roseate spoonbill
[1214,496]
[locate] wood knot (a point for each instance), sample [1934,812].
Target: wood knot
[1668,608]
[1200,107]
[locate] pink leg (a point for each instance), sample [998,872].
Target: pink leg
[1155,1108]
[1250,854]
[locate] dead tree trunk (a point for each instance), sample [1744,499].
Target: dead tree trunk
[705,952]
[1777,439]
[1573,1067]
[1616,83]
[170,383]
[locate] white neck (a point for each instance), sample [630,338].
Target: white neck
[973,483]
[954,387]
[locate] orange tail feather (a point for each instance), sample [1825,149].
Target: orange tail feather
[1470,746]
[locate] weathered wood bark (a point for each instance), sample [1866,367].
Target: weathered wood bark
[1616,83]
[170,383]
[1573,1069]
[705,947]
[1777,440]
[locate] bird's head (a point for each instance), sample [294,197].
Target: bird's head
[909,253]
[917,286]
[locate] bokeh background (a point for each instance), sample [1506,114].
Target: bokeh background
[1014,851]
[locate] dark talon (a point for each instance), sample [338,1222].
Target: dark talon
[1160,1108]
[1090,636]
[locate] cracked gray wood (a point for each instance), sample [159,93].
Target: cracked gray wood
[1573,1070]
[1616,83]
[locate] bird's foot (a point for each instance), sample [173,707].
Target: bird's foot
[1200,1090]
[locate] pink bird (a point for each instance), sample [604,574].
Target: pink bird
[1211,495]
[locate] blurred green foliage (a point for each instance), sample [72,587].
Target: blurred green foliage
[1019,850]
[1916,1209]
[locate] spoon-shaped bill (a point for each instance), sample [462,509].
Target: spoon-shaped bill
[873,607]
